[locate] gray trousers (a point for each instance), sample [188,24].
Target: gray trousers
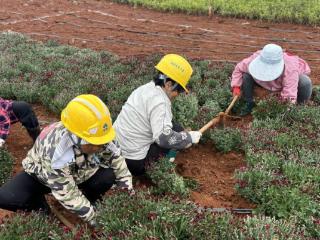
[304,88]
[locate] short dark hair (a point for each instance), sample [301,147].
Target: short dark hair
[161,78]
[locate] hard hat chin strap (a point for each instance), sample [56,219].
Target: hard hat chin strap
[76,144]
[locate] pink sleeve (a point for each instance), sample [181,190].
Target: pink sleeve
[240,69]
[290,86]
[304,66]
[301,64]
[4,124]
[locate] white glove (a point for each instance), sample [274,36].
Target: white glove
[93,223]
[131,192]
[195,136]
[1,142]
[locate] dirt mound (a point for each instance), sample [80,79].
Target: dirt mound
[214,172]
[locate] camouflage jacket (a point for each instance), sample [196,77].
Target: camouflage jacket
[63,182]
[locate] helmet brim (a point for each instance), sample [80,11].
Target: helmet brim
[187,91]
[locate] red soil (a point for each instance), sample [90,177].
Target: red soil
[215,174]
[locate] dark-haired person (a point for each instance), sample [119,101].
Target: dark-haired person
[144,126]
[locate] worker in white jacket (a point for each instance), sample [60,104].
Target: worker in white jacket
[144,126]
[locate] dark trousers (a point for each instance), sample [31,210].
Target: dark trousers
[304,88]
[26,192]
[27,117]
[138,167]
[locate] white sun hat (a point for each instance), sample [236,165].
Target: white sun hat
[269,65]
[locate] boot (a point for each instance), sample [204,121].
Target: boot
[40,205]
[171,155]
[248,109]
[34,133]
[44,209]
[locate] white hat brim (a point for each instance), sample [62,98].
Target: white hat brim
[265,72]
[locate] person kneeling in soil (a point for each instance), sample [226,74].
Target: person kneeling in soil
[77,160]
[144,126]
[14,111]
[274,70]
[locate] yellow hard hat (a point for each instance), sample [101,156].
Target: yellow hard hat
[89,118]
[177,68]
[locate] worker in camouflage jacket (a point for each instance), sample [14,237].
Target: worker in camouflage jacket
[77,160]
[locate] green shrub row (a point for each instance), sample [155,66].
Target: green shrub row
[282,153]
[143,217]
[306,12]
[53,74]
[166,180]
[31,226]
[226,139]
[6,165]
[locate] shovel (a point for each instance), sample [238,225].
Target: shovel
[221,116]
[71,226]
[64,220]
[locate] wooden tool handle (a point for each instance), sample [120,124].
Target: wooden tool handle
[235,98]
[62,218]
[213,121]
[220,117]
